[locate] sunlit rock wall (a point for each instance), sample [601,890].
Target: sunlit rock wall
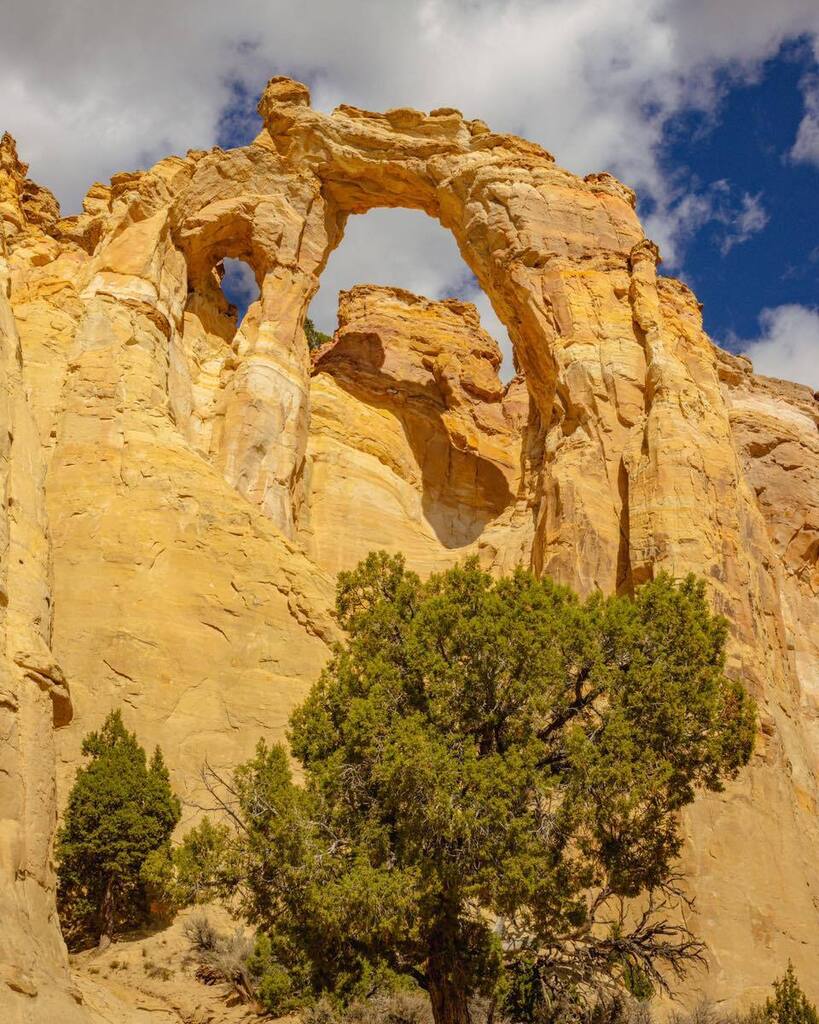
[203,481]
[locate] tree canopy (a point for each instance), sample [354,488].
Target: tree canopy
[120,809]
[493,771]
[788,1005]
[315,337]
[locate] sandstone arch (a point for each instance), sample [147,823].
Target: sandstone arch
[175,483]
[503,200]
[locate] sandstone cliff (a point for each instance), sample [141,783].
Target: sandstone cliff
[34,981]
[185,487]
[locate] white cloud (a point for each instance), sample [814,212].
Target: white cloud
[733,219]
[390,247]
[788,344]
[806,147]
[408,249]
[103,85]
[742,223]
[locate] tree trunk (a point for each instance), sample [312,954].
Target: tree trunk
[106,915]
[447,989]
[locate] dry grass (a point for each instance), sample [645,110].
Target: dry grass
[222,959]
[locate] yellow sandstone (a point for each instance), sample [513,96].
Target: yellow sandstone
[180,493]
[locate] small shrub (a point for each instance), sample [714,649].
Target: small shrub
[789,1004]
[201,934]
[158,971]
[222,959]
[409,1006]
[704,1012]
[315,337]
[402,1007]
[620,1009]
[323,1011]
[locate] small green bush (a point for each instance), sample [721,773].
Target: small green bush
[315,337]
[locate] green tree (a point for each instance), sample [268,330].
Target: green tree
[195,871]
[315,337]
[120,810]
[493,771]
[789,1004]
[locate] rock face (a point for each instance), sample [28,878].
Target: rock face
[34,981]
[184,488]
[414,445]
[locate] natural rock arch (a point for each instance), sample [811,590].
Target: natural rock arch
[645,454]
[623,382]
[512,213]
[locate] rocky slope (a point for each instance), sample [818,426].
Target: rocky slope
[180,490]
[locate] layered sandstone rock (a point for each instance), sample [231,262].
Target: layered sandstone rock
[34,699]
[415,445]
[203,480]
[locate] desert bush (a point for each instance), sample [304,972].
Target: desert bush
[787,1005]
[200,933]
[157,971]
[222,959]
[408,1006]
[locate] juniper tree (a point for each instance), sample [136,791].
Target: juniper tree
[315,337]
[788,1005]
[493,774]
[120,809]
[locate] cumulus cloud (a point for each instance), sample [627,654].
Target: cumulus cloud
[806,146]
[733,217]
[95,87]
[742,223]
[788,344]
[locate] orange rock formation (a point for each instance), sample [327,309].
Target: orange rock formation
[179,493]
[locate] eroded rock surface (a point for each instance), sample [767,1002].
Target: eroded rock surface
[34,698]
[201,481]
[415,445]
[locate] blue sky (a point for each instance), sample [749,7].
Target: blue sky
[710,110]
[747,142]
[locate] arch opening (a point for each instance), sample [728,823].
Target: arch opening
[404,248]
[215,320]
[416,426]
[239,286]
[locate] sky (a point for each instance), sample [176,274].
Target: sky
[708,108]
